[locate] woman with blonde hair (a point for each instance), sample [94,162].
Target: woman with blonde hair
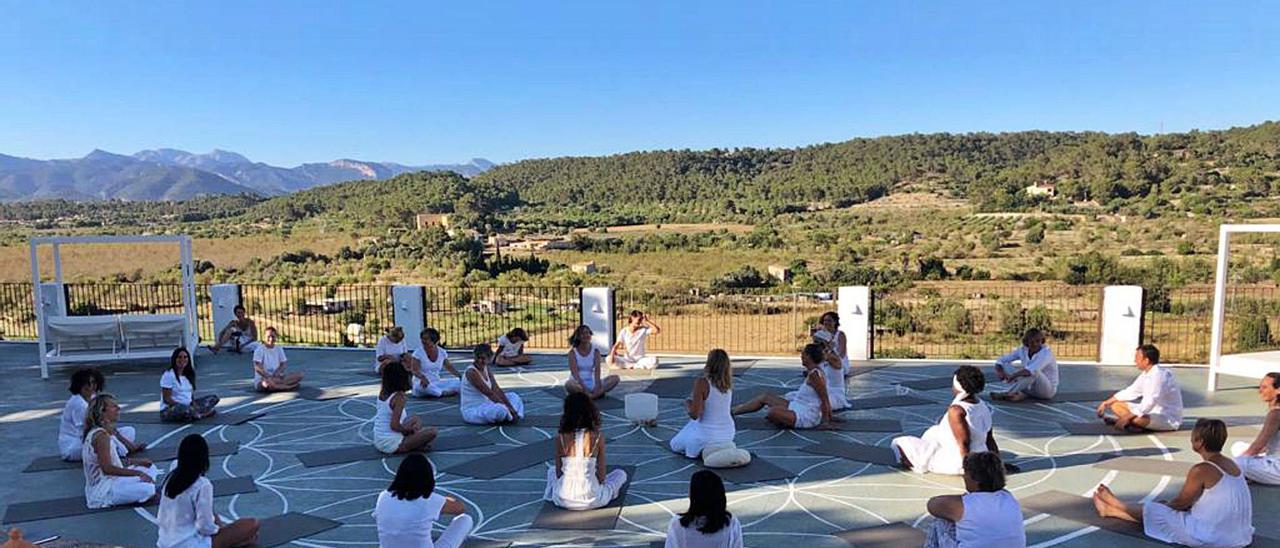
[109,481]
[710,420]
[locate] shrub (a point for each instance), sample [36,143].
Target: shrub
[1254,333]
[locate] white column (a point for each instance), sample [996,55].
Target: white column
[1121,324]
[1219,303]
[853,304]
[598,313]
[225,298]
[409,311]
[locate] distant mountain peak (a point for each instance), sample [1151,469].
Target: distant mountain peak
[99,154]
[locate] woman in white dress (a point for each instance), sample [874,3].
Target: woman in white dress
[828,334]
[707,524]
[808,407]
[1214,507]
[394,431]
[965,429]
[186,518]
[629,352]
[584,366]
[407,510]
[389,349]
[511,349]
[709,407]
[270,366]
[578,480]
[108,480]
[85,383]
[178,402]
[1260,459]
[483,401]
[986,516]
[429,361]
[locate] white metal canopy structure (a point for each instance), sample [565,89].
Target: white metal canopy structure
[65,338]
[1253,364]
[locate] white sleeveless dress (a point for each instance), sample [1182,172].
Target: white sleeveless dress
[714,426]
[1223,516]
[937,451]
[436,387]
[577,487]
[806,404]
[1264,468]
[477,408]
[103,491]
[385,439]
[586,367]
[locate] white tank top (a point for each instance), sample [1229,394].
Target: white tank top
[991,519]
[97,485]
[806,395]
[586,367]
[716,421]
[978,417]
[1223,516]
[382,417]
[835,387]
[472,397]
[578,486]
[432,368]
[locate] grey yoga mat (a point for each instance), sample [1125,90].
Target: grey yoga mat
[605,518]
[891,535]
[1146,466]
[315,393]
[76,506]
[604,404]
[156,454]
[887,401]
[1079,509]
[758,470]
[1102,429]
[846,425]
[231,418]
[286,528]
[671,387]
[452,418]
[939,382]
[854,451]
[340,455]
[508,461]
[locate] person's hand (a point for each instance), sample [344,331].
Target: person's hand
[1102,409]
[146,478]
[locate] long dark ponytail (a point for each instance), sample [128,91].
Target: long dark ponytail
[193,462]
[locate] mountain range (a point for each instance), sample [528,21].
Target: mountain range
[170,174]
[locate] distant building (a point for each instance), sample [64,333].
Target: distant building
[558,244]
[424,221]
[588,267]
[782,273]
[1043,188]
[498,240]
[328,306]
[490,307]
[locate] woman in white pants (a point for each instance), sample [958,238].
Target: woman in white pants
[710,408]
[964,429]
[108,481]
[629,352]
[578,480]
[409,507]
[85,383]
[986,516]
[1260,459]
[432,360]
[483,401]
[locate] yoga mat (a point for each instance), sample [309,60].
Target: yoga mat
[286,528]
[326,457]
[452,419]
[759,470]
[76,506]
[313,393]
[671,387]
[847,425]
[508,461]
[1079,509]
[742,366]
[605,518]
[854,451]
[887,401]
[156,454]
[891,535]
[604,404]
[939,382]
[219,418]
[858,370]
[1102,429]
[1147,466]
[1063,397]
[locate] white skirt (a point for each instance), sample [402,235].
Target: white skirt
[807,416]
[927,455]
[388,443]
[693,438]
[489,412]
[1264,469]
[643,362]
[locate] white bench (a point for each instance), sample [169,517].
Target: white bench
[119,337]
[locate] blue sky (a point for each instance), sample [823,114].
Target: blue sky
[416,82]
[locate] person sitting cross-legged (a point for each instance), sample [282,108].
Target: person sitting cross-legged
[1160,405]
[269,366]
[511,349]
[707,523]
[986,516]
[86,382]
[483,401]
[429,361]
[584,367]
[186,518]
[1038,377]
[578,480]
[1260,459]
[241,334]
[394,431]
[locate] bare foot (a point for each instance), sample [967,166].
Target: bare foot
[1098,504]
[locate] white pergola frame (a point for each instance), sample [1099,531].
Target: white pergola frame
[1216,365]
[188,285]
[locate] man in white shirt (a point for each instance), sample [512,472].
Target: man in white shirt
[1152,402]
[269,363]
[1038,377]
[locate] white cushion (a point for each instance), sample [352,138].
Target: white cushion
[641,407]
[724,455]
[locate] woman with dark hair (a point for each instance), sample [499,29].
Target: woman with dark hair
[86,382]
[629,352]
[431,361]
[835,358]
[1260,460]
[964,429]
[177,391]
[707,524]
[709,407]
[985,516]
[578,481]
[109,481]
[584,366]
[808,407]
[389,349]
[1214,507]
[511,349]
[483,401]
[186,517]
[394,431]
[409,507]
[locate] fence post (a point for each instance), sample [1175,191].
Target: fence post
[408,312]
[1121,324]
[223,299]
[853,304]
[597,310]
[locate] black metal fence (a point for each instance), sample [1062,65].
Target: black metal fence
[17,311]
[467,316]
[325,315]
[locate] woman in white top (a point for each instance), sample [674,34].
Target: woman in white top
[629,352]
[109,481]
[709,407]
[269,363]
[85,383]
[578,480]
[987,516]
[584,366]
[394,431]
[1260,460]
[483,401]
[511,349]
[707,524]
[186,517]
[429,361]
[177,391]
[965,429]
[389,349]
[828,333]
[1038,377]
[409,507]
[808,407]
[1214,507]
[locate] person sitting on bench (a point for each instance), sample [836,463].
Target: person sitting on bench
[965,429]
[394,431]
[808,407]
[177,391]
[1160,408]
[390,348]
[584,366]
[1260,459]
[269,362]
[85,383]
[511,349]
[186,518]
[429,361]
[1038,377]
[985,516]
[629,352]
[241,333]
[707,523]
[108,481]
[409,507]
[578,480]
[709,407]
[483,401]
[1214,507]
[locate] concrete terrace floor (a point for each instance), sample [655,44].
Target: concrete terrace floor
[825,495]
